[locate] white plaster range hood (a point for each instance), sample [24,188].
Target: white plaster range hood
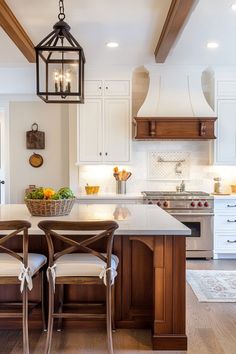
[175,106]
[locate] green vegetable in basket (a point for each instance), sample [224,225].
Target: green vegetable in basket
[36,194]
[65,193]
[56,196]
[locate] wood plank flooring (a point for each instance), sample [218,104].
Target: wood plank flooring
[211,329]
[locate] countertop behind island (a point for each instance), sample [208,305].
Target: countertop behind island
[133,219]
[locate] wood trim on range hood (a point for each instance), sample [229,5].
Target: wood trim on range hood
[163,128]
[175,106]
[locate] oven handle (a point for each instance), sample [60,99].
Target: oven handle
[234,241]
[191,214]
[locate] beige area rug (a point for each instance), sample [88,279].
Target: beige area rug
[213,285]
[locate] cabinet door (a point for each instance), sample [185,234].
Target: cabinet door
[116,88]
[226,132]
[116,130]
[93,88]
[90,131]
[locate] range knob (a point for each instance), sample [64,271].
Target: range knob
[165,204]
[206,204]
[200,204]
[149,202]
[192,204]
[159,204]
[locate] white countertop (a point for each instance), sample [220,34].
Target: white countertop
[110,196]
[133,219]
[229,196]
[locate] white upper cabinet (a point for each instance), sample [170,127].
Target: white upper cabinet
[108,88]
[93,88]
[226,132]
[225,107]
[116,130]
[116,88]
[89,136]
[104,124]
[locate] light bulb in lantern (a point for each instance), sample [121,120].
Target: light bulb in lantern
[56,80]
[68,81]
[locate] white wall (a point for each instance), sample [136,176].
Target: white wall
[53,120]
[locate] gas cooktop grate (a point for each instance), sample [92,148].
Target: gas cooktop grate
[170,193]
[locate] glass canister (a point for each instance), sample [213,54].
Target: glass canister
[217,185]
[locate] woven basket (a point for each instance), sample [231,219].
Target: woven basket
[47,207]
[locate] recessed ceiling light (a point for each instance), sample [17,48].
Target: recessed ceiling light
[233,7]
[112,44]
[212,45]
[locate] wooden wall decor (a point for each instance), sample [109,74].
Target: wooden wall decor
[36,160]
[16,32]
[34,138]
[175,20]
[159,128]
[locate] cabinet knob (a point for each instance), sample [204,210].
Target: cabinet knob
[106,153]
[100,153]
[106,88]
[100,87]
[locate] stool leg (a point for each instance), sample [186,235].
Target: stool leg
[108,315]
[50,316]
[61,298]
[25,321]
[113,308]
[43,300]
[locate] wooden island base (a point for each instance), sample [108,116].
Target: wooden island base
[149,293]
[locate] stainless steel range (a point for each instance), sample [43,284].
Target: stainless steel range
[196,211]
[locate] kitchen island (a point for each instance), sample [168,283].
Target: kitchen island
[150,286]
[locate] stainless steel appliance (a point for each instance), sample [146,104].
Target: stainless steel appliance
[195,210]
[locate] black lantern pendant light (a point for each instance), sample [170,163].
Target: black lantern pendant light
[60,65]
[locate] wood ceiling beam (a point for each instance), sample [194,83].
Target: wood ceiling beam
[175,20]
[16,32]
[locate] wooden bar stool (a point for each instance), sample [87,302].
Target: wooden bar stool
[19,268]
[77,263]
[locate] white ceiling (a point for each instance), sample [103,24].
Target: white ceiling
[135,24]
[211,20]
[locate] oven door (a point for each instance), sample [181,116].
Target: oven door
[201,239]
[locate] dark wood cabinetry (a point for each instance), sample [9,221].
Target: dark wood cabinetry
[174,128]
[149,289]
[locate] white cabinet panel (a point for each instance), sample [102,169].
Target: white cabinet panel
[225,222]
[116,130]
[93,88]
[116,88]
[226,132]
[89,137]
[226,88]
[227,206]
[226,243]
[224,227]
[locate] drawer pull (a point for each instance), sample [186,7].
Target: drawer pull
[231,206]
[234,241]
[231,220]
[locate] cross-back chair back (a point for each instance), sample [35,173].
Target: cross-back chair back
[99,230]
[17,228]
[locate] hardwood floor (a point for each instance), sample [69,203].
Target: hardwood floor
[211,329]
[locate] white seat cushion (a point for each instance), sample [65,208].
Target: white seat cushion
[82,264]
[11,267]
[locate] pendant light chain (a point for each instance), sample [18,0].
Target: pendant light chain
[61,15]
